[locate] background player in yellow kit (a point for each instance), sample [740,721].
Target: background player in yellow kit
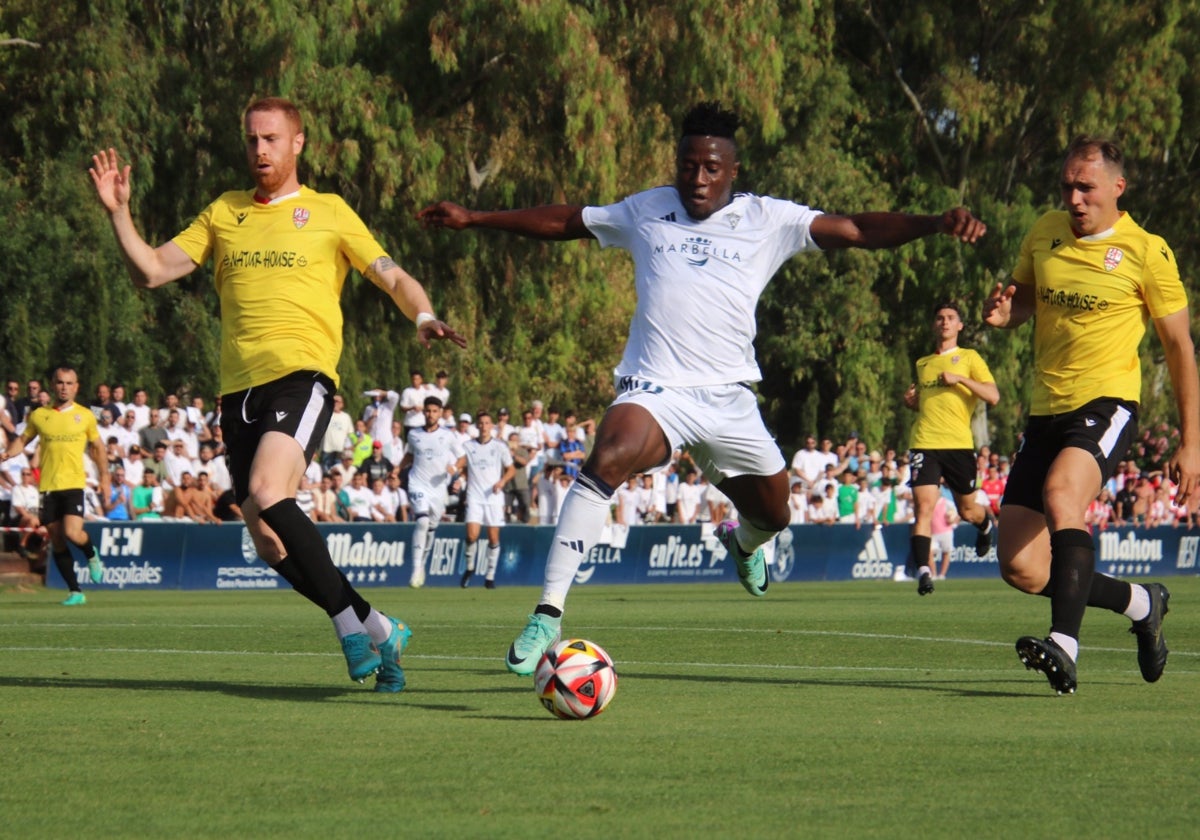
[280,255]
[65,431]
[1090,277]
[950,382]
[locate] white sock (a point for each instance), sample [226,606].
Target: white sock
[346,622]
[420,534]
[750,538]
[472,550]
[924,570]
[1139,602]
[493,560]
[1067,643]
[379,626]
[579,525]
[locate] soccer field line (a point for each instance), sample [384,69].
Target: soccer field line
[841,634]
[742,666]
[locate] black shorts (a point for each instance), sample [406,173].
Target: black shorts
[57,504]
[299,405]
[956,466]
[1105,427]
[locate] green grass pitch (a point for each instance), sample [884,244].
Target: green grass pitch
[823,710]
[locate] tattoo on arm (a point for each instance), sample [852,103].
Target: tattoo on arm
[376,269]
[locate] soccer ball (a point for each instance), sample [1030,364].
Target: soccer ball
[575,679]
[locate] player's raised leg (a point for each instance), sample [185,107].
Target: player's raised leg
[628,441]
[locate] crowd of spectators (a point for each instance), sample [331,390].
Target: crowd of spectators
[168,462]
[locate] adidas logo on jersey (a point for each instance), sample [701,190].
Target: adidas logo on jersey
[670,217]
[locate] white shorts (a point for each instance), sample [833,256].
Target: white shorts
[943,544]
[427,501]
[486,512]
[720,425]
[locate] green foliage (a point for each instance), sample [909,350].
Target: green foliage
[846,107]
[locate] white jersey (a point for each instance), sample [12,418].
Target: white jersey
[432,454]
[698,278]
[486,463]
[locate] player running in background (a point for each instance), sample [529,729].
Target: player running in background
[489,466]
[281,253]
[1090,277]
[950,382]
[702,255]
[65,431]
[430,459]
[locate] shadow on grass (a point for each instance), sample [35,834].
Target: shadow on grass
[956,687]
[297,693]
[260,692]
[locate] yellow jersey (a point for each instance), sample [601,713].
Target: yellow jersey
[944,411]
[1093,298]
[279,269]
[63,435]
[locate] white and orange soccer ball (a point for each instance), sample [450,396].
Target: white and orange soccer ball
[575,679]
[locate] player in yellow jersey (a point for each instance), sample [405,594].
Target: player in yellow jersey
[280,255]
[950,382]
[65,432]
[1090,277]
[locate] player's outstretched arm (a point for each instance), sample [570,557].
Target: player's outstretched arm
[888,230]
[148,267]
[1184,467]
[557,222]
[410,297]
[1007,307]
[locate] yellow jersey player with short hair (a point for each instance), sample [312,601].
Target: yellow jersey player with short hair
[65,432]
[280,255]
[1091,278]
[950,383]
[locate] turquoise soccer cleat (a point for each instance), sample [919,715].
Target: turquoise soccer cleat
[362,657]
[389,679]
[752,569]
[539,634]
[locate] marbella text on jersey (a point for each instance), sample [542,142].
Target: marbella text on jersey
[698,246]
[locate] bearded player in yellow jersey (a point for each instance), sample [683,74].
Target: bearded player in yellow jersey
[1090,277]
[280,255]
[949,384]
[65,431]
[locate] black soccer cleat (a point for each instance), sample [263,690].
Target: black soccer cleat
[983,540]
[466,578]
[489,584]
[1152,647]
[925,584]
[1046,656]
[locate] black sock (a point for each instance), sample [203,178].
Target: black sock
[1106,592]
[546,609]
[1109,593]
[289,572]
[86,547]
[66,568]
[304,547]
[920,546]
[1072,561]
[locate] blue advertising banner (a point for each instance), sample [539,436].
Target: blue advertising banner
[171,555]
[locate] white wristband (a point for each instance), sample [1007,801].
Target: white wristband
[424,318]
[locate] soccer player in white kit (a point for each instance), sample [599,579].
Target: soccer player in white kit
[702,256]
[432,457]
[489,465]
